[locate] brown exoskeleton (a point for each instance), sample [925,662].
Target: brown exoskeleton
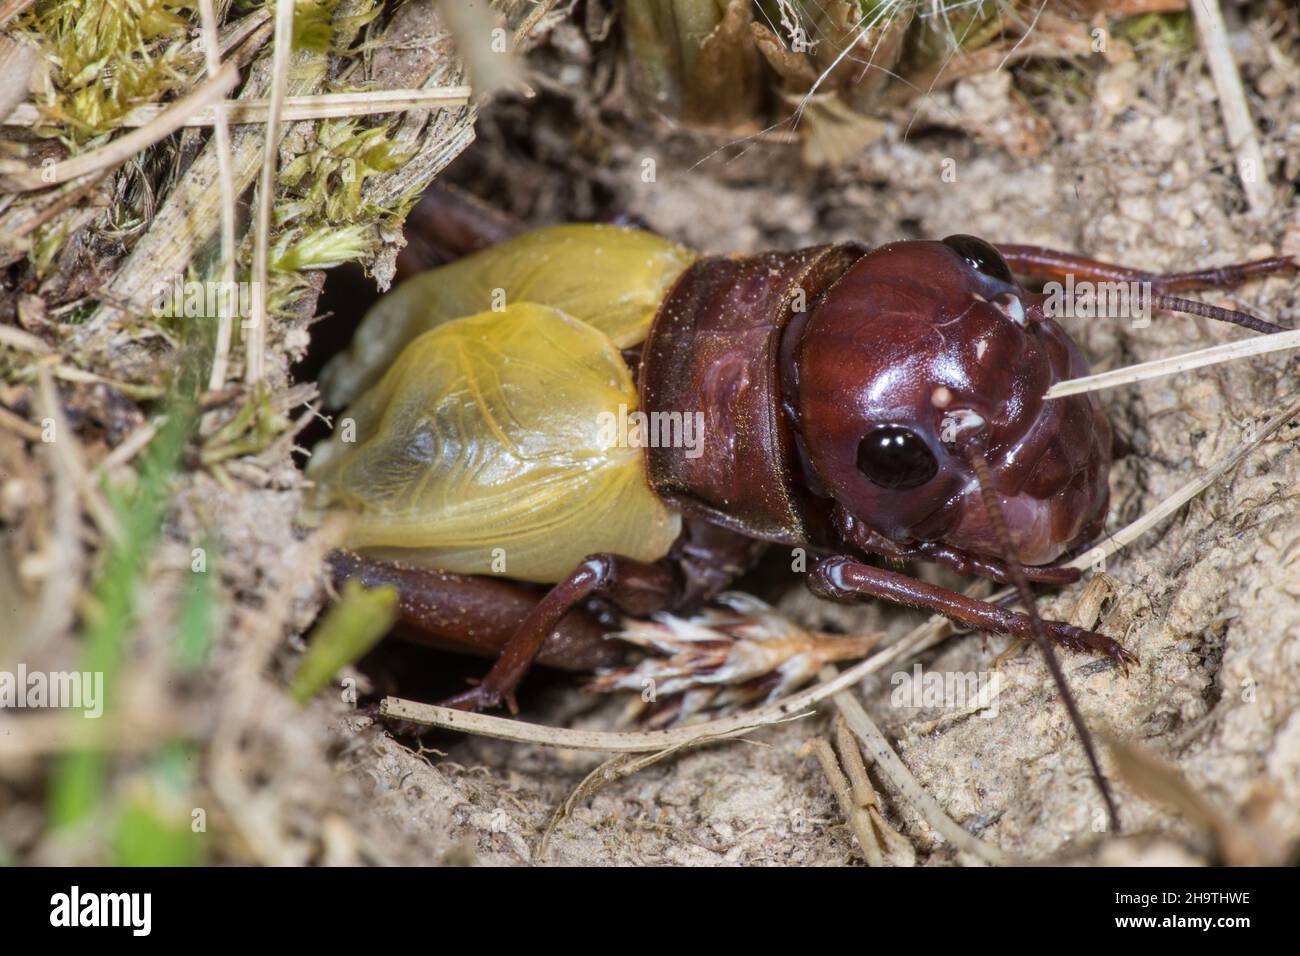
[854,402]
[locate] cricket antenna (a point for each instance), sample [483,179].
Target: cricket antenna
[1172,303]
[998,522]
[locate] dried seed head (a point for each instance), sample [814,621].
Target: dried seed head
[742,654]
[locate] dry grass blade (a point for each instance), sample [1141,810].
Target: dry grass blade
[1232,103]
[1174,364]
[255,343]
[853,812]
[10,9]
[137,731]
[325,106]
[226,178]
[18,425]
[119,150]
[608,741]
[57,607]
[18,64]
[881,844]
[892,766]
[16,338]
[897,849]
[68,457]
[55,202]
[131,446]
[341,105]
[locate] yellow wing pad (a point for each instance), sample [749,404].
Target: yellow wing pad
[607,276]
[483,450]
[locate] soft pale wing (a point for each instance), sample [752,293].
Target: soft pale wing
[609,277]
[490,446]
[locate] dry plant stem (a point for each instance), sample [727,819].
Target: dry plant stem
[896,848]
[29,217]
[615,768]
[41,735]
[20,426]
[892,766]
[1186,493]
[1200,358]
[858,819]
[861,792]
[1232,103]
[16,338]
[864,794]
[69,460]
[10,9]
[123,148]
[529,22]
[1024,36]
[58,601]
[343,105]
[68,373]
[608,741]
[255,344]
[325,106]
[226,177]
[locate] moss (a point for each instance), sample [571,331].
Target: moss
[105,58]
[1172,33]
[46,242]
[326,182]
[322,247]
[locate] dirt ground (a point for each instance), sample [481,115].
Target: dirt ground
[1135,171]
[1210,601]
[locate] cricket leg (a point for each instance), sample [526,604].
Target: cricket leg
[476,615]
[710,557]
[634,586]
[846,579]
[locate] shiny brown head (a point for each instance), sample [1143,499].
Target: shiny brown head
[918,351]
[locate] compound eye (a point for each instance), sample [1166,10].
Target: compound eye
[981,257]
[895,457]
